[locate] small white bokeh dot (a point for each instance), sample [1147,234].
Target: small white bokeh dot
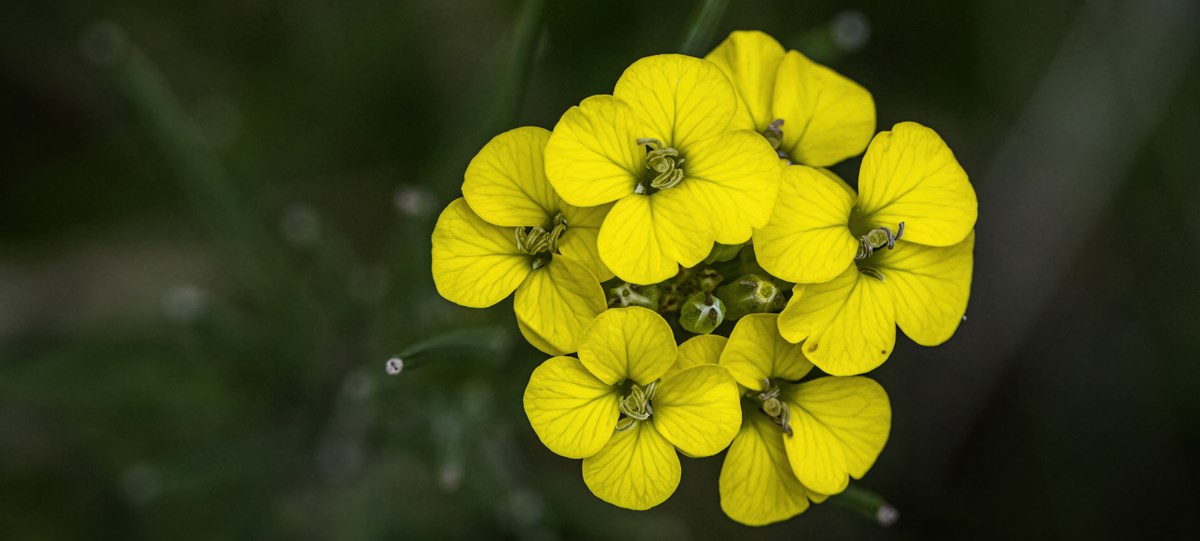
[394,366]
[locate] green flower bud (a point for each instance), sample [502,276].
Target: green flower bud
[628,294]
[722,252]
[702,313]
[708,279]
[751,294]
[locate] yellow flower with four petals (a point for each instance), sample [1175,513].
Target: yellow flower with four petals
[810,113]
[511,232]
[899,252]
[663,147]
[623,409]
[799,440]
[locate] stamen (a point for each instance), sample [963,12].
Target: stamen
[775,408]
[536,240]
[774,135]
[878,238]
[664,161]
[636,405]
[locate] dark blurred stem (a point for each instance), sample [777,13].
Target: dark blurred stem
[511,90]
[867,504]
[472,341]
[224,210]
[702,27]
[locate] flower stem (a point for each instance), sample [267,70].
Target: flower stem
[867,504]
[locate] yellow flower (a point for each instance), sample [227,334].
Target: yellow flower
[810,113]
[662,147]
[619,409]
[897,253]
[512,232]
[798,441]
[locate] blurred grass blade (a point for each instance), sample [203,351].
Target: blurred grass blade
[867,504]
[702,27]
[224,210]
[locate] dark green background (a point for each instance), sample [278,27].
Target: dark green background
[186,358]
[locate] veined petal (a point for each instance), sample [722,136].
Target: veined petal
[505,184]
[475,264]
[827,117]
[645,238]
[698,410]
[756,352]
[633,343]
[572,412]
[839,427]
[696,351]
[579,241]
[757,484]
[557,302]
[909,175]
[679,100]
[929,287]
[736,176]
[750,60]
[848,323]
[637,469]
[593,157]
[807,239]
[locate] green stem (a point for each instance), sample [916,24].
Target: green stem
[492,339]
[702,27]
[867,504]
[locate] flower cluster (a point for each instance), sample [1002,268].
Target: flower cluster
[684,240]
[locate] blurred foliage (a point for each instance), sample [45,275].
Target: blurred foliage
[182,364]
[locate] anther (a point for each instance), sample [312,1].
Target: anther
[536,240]
[636,405]
[878,238]
[664,162]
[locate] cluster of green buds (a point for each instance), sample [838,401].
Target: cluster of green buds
[701,298]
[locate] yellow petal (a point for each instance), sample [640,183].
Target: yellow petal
[557,302]
[807,239]
[593,157]
[475,263]
[757,484]
[735,177]
[750,59]
[699,410]
[847,323]
[572,412]
[505,183]
[757,352]
[579,241]
[827,117]
[679,100]
[929,287]
[637,469]
[633,343]
[909,175]
[645,238]
[839,426]
[696,351]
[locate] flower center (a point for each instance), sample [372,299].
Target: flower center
[774,135]
[664,163]
[876,239]
[636,405]
[537,241]
[771,405]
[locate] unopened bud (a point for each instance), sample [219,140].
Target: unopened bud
[722,252]
[708,279]
[751,294]
[628,294]
[702,313]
